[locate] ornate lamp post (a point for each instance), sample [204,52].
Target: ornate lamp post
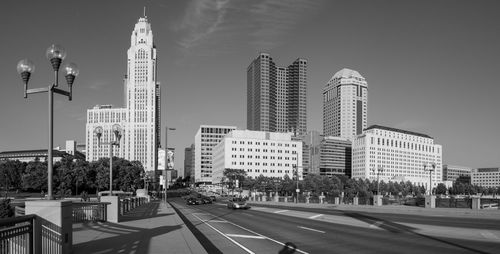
[117,131]
[25,68]
[380,169]
[433,165]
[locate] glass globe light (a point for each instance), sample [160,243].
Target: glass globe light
[71,69]
[55,51]
[25,65]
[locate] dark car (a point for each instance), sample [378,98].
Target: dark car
[213,198]
[237,203]
[193,201]
[206,200]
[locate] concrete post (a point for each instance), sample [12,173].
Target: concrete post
[430,201]
[355,201]
[113,208]
[476,203]
[337,200]
[307,200]
[377,200]
[54,223]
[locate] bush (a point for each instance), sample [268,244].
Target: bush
[5,208]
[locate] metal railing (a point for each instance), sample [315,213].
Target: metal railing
[17,234]
[89,211]
[128,204]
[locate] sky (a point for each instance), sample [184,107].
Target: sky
[431,66]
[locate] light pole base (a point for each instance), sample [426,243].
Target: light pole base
[377,200]
[430,201]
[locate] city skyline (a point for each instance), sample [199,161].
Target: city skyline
[430,65]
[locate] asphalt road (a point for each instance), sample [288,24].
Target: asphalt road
[269,229]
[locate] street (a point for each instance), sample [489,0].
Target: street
[268,229]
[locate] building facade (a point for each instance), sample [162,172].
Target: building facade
[188,159]
[258,153]
[345,104]
[452,172]
[206,138]
[486,177]
[276,96]
[400,155]
[140,118]
[326,155]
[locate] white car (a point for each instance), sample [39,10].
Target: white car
[237,203]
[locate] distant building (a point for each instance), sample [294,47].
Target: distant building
[258,153]
[140,117]
[276,96]
[452,172]
[345,99]
[401,154]
[486,177]
[326,155]
[188,158]
[206,138]
[32,155]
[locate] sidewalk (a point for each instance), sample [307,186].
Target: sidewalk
[151,228]
[399,209]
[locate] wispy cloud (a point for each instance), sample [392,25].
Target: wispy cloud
[202,19]
[212,27]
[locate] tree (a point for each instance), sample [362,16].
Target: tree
[234,174]
[34,177]
[441,189]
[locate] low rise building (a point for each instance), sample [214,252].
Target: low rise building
[258,153]
[396,155]
[486,177]
[452,172]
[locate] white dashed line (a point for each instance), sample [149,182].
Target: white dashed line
[281,211]
[315,216]
[246,236]
[312,229]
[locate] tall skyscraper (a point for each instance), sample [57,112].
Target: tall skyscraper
[276,96]
[345,99]
[140,119]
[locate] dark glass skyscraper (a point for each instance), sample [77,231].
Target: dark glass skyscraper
[276,96]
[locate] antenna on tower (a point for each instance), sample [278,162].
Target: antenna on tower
[145,12]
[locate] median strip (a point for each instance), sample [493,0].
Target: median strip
[281,211]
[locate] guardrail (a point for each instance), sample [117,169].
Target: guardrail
[17,234]
[89,211]
[128,204]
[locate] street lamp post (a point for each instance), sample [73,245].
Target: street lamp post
[296,172]
[25,68]
[166,160]
[433,165]
[117,130]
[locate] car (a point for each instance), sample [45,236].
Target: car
[193,201]
[213,198]
[237,203]
[206,200]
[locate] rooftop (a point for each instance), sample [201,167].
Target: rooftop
[398,130]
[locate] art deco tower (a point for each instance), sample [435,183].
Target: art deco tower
[345,99]
[140,119]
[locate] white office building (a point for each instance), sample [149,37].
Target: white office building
[345,99]
[140,118]
[270,154]
[401,156]
[452,172]
[486,177]
[206,138]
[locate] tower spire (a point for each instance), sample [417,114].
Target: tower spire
[145,12]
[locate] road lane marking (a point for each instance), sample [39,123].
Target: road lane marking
[315,216]
[312,229]
[253,232]
[229,238]
[217,221]
[246,236]
[281,211]
[489,235]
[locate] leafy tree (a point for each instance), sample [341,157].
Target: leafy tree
[35,176]
[234,174]
[11,174]
[441,189]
